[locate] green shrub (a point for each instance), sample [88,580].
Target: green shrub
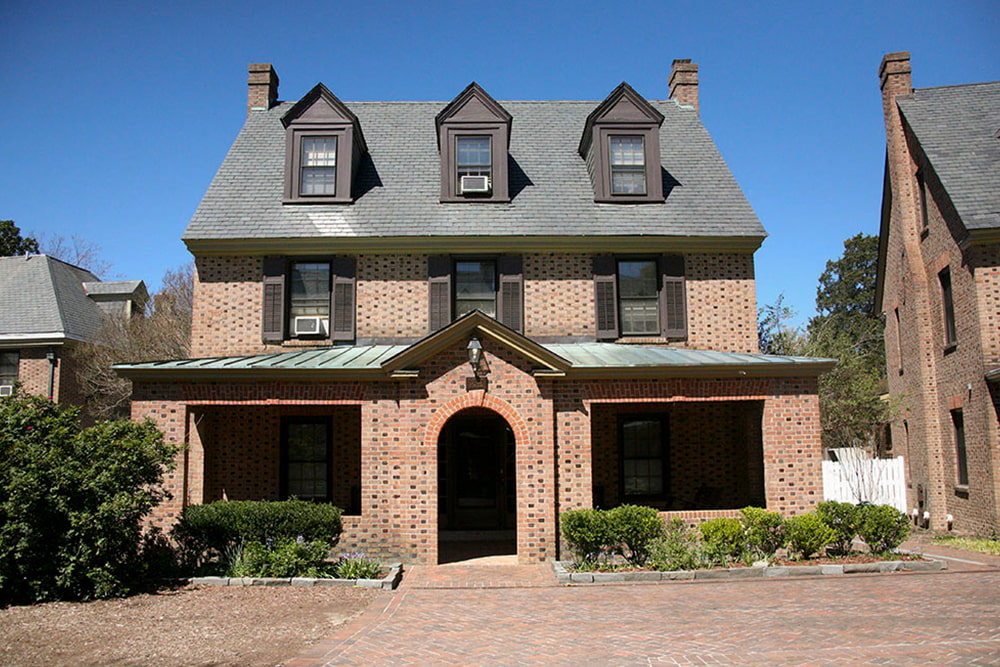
[724,540]
[588,533]
[72,501]
[882,527]
[765,531]
[843,519]
[285,558]
[206,532]
[357,566]
[808,534]
[633,529]
[678,549]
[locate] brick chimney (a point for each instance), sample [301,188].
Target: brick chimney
[262,93]
[684,83]
[895,74]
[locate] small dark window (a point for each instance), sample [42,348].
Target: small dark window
[458,287]
[961,463]
[475,287]
[473,157]
[319,166]
[306,458]
[628,165]
[643,448]
[948,306]
[899,344]
[639,297]
[9,360]
[922,196]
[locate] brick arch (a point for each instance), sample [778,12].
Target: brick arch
[475,399]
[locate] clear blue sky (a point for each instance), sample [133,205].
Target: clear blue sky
[116,115]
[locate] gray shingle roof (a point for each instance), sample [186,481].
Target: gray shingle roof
[43,298]
[551,190]
[958,127]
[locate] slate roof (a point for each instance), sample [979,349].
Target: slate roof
[959,130]
[551,190]
[44,300]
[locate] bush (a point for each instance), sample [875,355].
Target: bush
[765,531]
[882,527]
[724,540]
[357,566]
[588,532]
[286,558]
[633,529]
[72,501]
[206,532]
[678,549]
[808,534]
[843,519]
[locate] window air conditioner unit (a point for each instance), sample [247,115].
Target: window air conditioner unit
[475,184]
[310,326]
[6,390]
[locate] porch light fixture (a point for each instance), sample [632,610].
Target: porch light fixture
[475,350]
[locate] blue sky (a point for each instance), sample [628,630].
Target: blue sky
[115,116]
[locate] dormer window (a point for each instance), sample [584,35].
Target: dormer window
[324,148]
[621,146]
[473,139]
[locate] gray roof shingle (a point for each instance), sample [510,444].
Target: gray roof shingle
[43,297]
[957,127]
[551,191]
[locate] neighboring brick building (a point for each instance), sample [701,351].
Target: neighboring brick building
[48,307]
[352,258]
[939,288]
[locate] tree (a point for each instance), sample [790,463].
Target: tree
[774,334]
[162,333]
[76,251]
[11,241]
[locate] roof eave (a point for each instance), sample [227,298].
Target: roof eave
[800,369]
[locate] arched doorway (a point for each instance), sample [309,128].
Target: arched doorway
[477,501]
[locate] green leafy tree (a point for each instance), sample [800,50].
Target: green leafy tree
[774,334]
[11,241]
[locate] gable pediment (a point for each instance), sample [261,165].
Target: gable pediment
[473,105]
[319,106]
[623,105]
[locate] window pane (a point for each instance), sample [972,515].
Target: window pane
[310,289]
[307,460]
[473,152]
[628,181]
[638,282]
[628,165]
[319,166]
[627,151]
[642,457]
[8,367]
[475,287]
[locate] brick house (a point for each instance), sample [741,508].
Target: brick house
[939,289]
[50,307]
[458,319]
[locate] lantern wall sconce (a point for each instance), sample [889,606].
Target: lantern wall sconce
[476,359]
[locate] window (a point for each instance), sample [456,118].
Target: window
[643,450]
[319,166]
[457,286]
[306,448]
[473,157]
[922,197]
[308,299]
[628,165]
[948,307]
[642,296]
[961,463]
[9,360]
[899,345]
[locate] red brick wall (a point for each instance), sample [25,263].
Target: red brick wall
[33,374]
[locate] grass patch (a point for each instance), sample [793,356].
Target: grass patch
[981,545]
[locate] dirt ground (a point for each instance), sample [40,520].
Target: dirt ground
[212,625]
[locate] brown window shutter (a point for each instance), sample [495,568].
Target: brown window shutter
[511,292]
[606,296]
[673,304]
[342,291]
[273,311]
[439,289]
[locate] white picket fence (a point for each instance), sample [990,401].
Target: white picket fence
[855,480]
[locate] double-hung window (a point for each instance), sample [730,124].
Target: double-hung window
[308,298]
[473,157]
[628,165]
[643,450]
[458,286]
[318,174]
[639,297]
[948,308]
[8,367]
[644,296]
[306,458]
[475,287]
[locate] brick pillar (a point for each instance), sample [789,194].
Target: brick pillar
[262,93]
[684,83]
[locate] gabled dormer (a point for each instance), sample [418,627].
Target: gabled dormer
[323,149]
[473,140]
[621,145]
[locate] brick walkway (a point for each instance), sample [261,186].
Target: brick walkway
[919,618]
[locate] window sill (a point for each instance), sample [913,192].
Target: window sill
[318,200]
[951,347]
[629,199]
[647,340]
[962,490]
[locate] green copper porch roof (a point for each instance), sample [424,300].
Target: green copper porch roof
[585,360]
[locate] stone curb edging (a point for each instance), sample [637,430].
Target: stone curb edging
[387,583]
[564,576]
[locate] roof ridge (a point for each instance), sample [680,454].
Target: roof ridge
[55,293]
[959,85]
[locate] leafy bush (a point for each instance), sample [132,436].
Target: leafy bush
[882,527]
[765,531]
[357,566]
[724,540]
[808,534]
[207,531]
[677,549]
[843,518]
[72,501]
[286,558]
[588,532]
[633,529]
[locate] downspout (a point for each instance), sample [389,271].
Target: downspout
[51,356]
